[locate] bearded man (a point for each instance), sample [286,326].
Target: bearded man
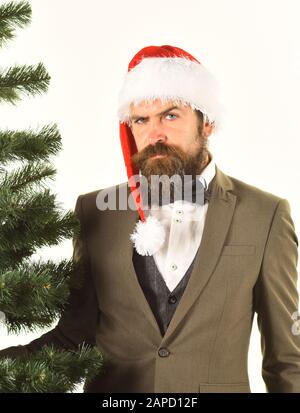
[171,287]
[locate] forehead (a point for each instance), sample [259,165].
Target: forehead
[156,106]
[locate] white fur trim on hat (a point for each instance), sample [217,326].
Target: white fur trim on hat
[171,78]
[148,236]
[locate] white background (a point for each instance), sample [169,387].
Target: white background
[250,46]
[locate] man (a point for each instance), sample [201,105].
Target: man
[173,311]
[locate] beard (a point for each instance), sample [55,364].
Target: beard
[172,161]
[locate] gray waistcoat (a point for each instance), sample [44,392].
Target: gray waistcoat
[162,301]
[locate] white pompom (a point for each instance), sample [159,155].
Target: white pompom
[148,236]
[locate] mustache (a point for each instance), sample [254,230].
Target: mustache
[158,149]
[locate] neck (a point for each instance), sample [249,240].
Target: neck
[205,162]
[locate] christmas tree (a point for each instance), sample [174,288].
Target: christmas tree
[34,294]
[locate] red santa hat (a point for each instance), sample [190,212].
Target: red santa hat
[165,73]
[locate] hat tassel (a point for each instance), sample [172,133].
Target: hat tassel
[148,236]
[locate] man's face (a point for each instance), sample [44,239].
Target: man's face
[168,138]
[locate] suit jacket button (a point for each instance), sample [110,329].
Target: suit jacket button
[172,299]
[163,352]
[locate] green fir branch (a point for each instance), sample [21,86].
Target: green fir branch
[35,207]
[27,175]
[44,230]
[35,294]
[10,206]
[50,370]
[29,145]
[13,15]
[40,223]
[24,79]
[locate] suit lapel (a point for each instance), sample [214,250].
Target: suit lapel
[219,215]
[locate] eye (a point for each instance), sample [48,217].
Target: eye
[138,120]
[172,114]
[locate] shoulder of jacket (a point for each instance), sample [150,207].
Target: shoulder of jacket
[89,198]
[254,195]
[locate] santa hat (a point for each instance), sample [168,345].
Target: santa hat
[165,73]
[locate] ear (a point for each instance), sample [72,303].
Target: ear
[208,128]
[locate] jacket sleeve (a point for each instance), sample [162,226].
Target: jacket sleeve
[276,300]
[78,322]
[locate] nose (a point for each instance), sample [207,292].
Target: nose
[157,137]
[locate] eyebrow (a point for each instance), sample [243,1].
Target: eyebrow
[135,117]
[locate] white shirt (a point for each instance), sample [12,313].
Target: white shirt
[184,223]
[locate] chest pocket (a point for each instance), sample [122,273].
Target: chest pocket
[224,388]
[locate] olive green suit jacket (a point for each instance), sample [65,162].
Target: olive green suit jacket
[246,264]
